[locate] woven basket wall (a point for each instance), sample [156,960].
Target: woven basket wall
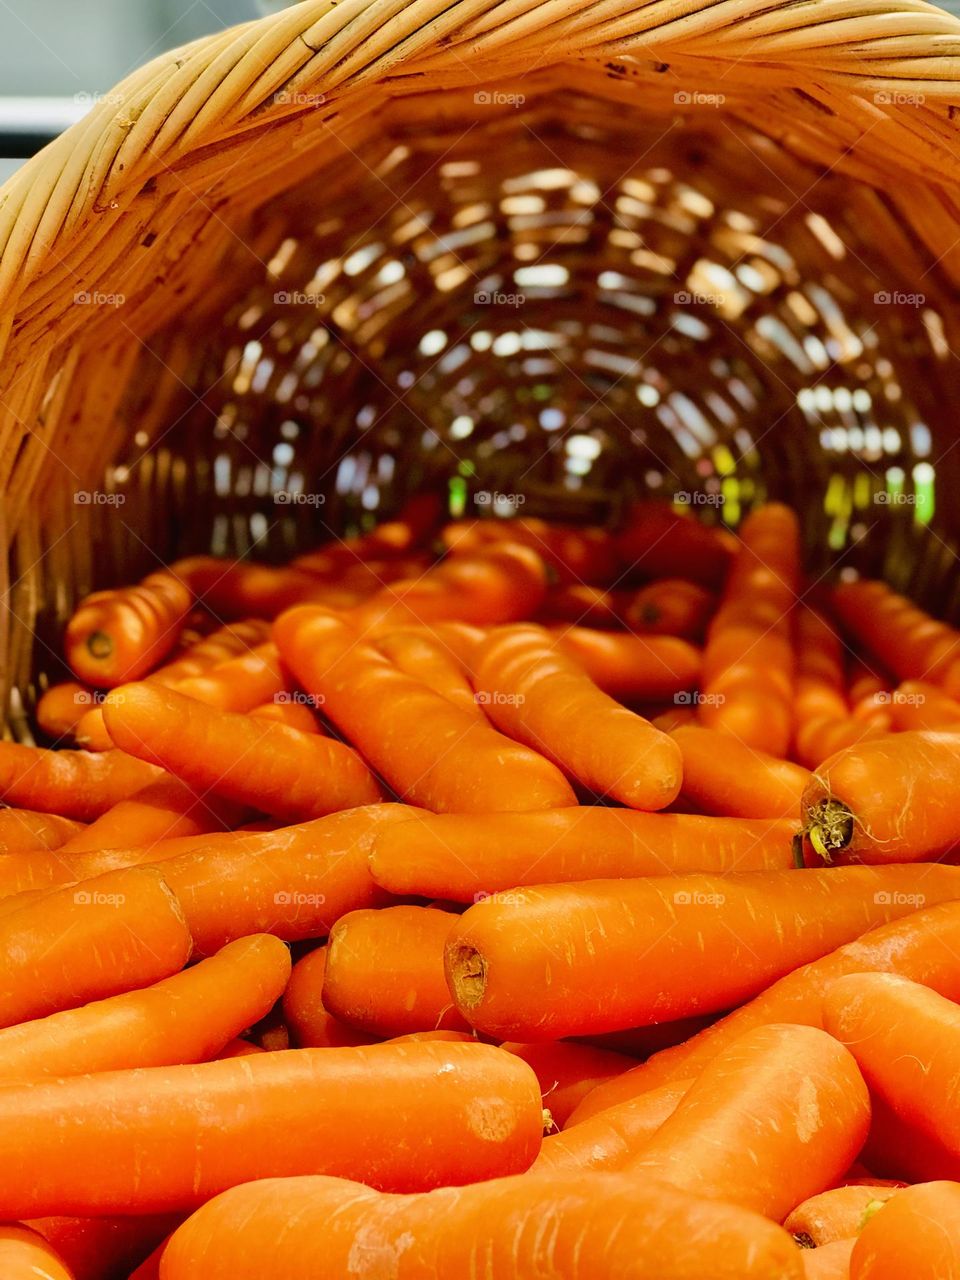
[567,251]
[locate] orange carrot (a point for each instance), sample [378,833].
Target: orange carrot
[74,784]
[426,658]
[406,1116]
[890,627]
[670,607]
[26,830]
[657,542]
[918,704]
[820,704]
[916,1234]
[241,588]
[239,1049]
[290,710]
[538,697]
[465,857]
[724,776]
[575,553]
[25,1255]
[565,960]
[95,1248]
[162,810]
[109,935]
[609,1140]
[567,1072]
[837,1214]
[239,683]
[828,1261]
[311,1025]
[887,800]
[776,1117]
[61,708]
[384,971]
[429,750]
[268,766]
[587,606]
[564,1225]
[824,738]
[116,636]
[632,667]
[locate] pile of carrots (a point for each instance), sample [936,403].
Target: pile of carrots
[492,898]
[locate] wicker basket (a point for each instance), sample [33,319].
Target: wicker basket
[563,253]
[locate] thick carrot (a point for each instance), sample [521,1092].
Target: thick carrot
[384,971]
[109,935]
[25,1255]
[102,1248]
[116,636]
[658,542]
[74,784]
[61,708]
[909,642]
[464,857]
[405,1116]
[609,1140]
[632,667]
[240,683]
[916,1234]
[670,607]
[429,750]
[887,800]
[426,658]
[310,1023]
[268,766]
[776,1117]
[162,810]
[537,696]
[924,946]
[828,1261]
[568,1071]
[837,1214]
[26,830]
[290,710]
[575,553]
[724,776]
[563,960]
[610,1225]
[187,1017]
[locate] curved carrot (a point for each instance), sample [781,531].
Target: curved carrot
[426,658]
[465,857]
[658,542]
[610,1139]
[94,1248]
[162,810]
[724,776]
[828,1261]
[399,1116]
[564,1225]
[25,1255]
[430,751]
[915,1234]
[311,1024]
[924,946]
[268,766]
[567,1072]
[837,1214]
[187,1017]
[116,636]
[670,607]
[61,708]
[575,553]
[773,1119]
[384,971]
[74,784]
[109,935]
[909,642]
[26,830]
[567,960]
[538,697]
[239,683]
[632,667]
[290,710]
[887,800]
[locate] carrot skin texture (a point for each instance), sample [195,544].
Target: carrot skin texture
[311,1024]
[916,1234]
[611,1139]
[27,831]
[74,784]
[399,1116]
[728,778]
[629,667]
[603,955]
[163,810]
[837,1214]
[613,1225]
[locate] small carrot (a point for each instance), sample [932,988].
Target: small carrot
[670,607]
[820,703]
[632,667]
[828,1261]
[886,800]
[724,776]
[187,1017]
[384,971]
[836,1214]
[584,605]
[429,750]
[241,588]
[575,553]
[426,658]
[26,830]
[116,636]
[909,642]
[465,857]
[568,960]
[25,1255]
[916,1234]
[657,542]
[61,708]
[155,1139]
[609,1140]
[567,1071]
[162,810]
[74,784]
[294,712]
[820,739]
[239,683]
[268,766]
[94,940]
[512,1228]
[538,697]
[239,1048]
[918,704]
[777,1116]
[95,1248]
[311,1024]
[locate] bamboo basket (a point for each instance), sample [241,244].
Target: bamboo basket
[564,253]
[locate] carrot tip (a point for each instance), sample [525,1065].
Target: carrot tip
[468,975]
[99,644]
[830,828]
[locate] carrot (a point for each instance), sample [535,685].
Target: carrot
[268,766]
[777,1116]
[575,553]
[563,960]
[824,738]
[887,800]
[465,857]
[25,1255]
[658,542]
[670,607]
[730,778]
[187,1017]
[632,667]
[239,1048]
[588,606]
[162,810]
[110,935]
[116,636]
[430,751]
[240,589]
[916,1234]
[837,1214]
[918,704]
[829,1261]
[155,1139]
[567,1072]
[820,705]
[864,682]
[426,658]
[239,683]
[538,697]
[609,1140]
[384,971]
[289,710]
[95,1248]
[26,830]
[73,784]
[893,629]
[512,1228]
[311,1025]
[924,946]
[61,708]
